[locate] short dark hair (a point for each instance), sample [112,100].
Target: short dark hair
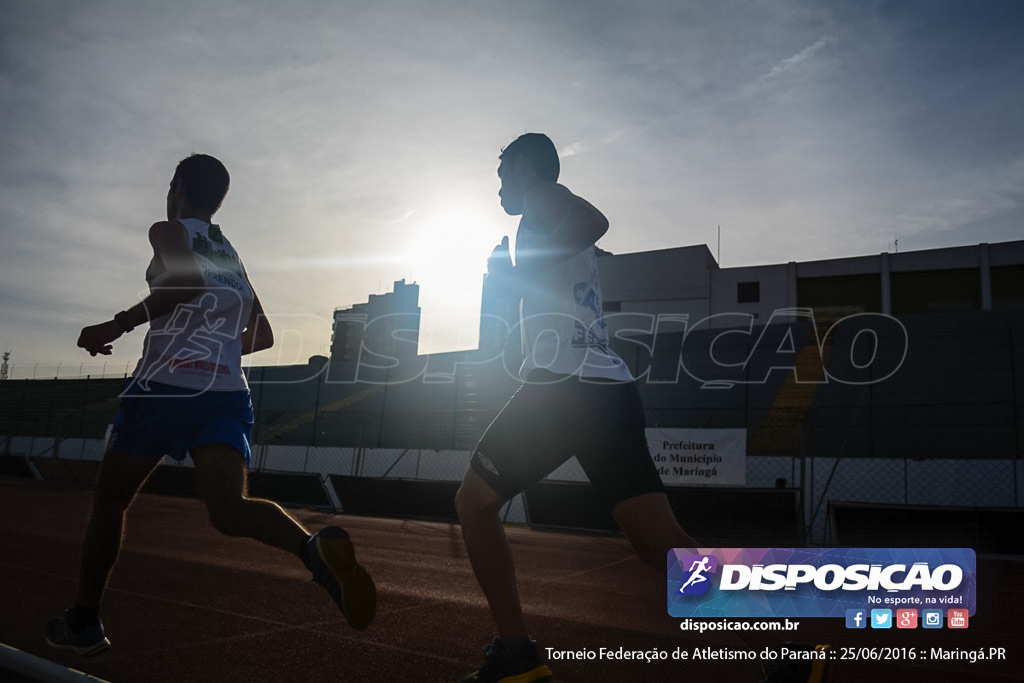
[205,181]
[539,150]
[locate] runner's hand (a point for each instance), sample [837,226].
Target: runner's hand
[500,261]
[97,339]
[500,271]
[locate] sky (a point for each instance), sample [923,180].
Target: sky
[362,140]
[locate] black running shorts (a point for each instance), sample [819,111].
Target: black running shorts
[547,422]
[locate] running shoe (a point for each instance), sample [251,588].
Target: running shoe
[505,664]
[332,559]
[88,642]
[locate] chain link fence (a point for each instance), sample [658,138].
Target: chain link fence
[945,431]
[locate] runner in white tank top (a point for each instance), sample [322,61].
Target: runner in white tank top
[563,327]
[189,397]
[198,345]
[577,399]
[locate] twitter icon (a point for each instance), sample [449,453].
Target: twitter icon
[881,618]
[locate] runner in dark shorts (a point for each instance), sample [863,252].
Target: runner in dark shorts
[552,418]
[578,399]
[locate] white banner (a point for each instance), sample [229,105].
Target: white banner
[699,456]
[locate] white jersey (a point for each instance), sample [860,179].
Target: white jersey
[563,327]
[198,345]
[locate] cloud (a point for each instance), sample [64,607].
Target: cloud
[406,215]
[573,149]
[792,62]
[962,199]
[808,130]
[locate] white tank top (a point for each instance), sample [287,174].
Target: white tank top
[198,345]
[563,327]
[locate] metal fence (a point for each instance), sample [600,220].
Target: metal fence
[944,431]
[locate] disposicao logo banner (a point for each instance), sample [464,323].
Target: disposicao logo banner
[817,582]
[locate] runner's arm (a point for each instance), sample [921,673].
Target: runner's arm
[258,335]
[181,280]
[500,272]
[570,225]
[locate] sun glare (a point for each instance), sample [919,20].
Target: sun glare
[447,257]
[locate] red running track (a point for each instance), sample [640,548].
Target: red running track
[187,604]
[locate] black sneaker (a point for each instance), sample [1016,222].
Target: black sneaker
[505,664]
[332,559]
[88,642]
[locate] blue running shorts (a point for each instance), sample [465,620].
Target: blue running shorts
[169,420]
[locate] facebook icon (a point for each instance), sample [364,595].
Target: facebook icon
[856,618]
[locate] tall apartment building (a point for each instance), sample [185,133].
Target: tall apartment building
[389,323]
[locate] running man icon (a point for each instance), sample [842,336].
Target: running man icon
[697,570]
[189,337]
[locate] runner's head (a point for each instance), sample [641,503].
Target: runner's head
[528,159]
[202,181]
